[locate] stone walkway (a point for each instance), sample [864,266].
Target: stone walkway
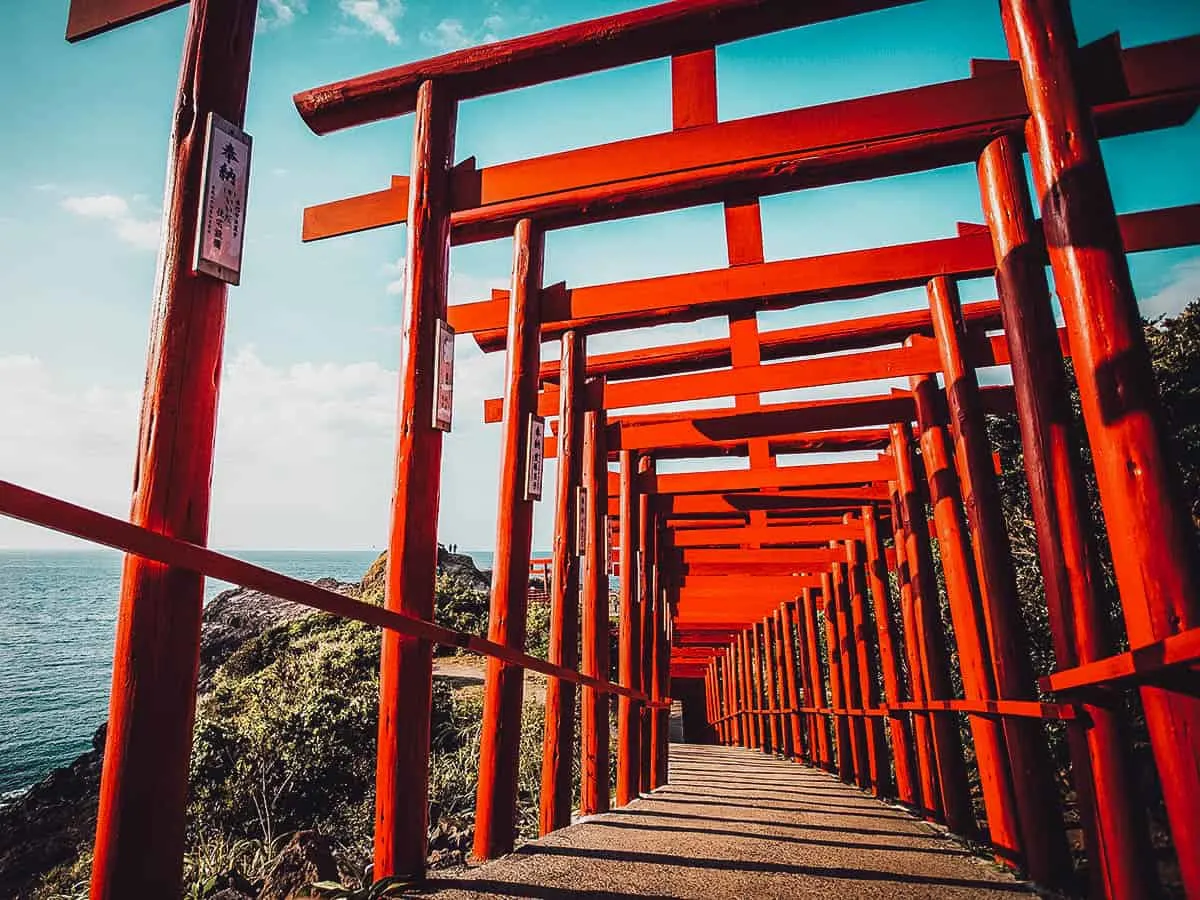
[734,823]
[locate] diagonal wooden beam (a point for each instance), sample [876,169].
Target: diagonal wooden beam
[1146,87]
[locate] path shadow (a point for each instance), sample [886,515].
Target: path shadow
[773,868]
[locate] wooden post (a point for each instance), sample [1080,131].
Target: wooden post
[558,740]
[851,684]
[974,655]
[885,630]
[735,721]
[496,796]
[760,687]
[787,630]
[143,793]
[926,791]
[1046,853]
[837,692]
[819,698]
[803,735]
[771,666]
[1118,838]
[1151,535]
[645,623]
[662,670]
[930,639]
[629,710]
[876,744]
[593,722]
[748,699]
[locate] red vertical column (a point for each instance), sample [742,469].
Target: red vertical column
[1070,571]
[761,694]
[876,744]
[558,739]
[645,623]
[928,797]
[1152,538]
[806,743]
[1046,854]
[143,794]
[791,694]
[593,720]
[885,631]
[771,656]
[837,693]
[741,674]
[496,796]
[818,698]
[406,664]
[930,636]
[851,684]
[628,709]
[662,673]
[970,628]
[731,705]
[748,687]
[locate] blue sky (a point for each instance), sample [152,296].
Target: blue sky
[307,421]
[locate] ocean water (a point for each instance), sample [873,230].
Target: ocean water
[57,622]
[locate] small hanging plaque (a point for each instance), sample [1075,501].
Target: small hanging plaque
[535,457]
[443,398]
[581,521]
[221,231]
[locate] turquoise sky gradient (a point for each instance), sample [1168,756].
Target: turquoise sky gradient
[306,429]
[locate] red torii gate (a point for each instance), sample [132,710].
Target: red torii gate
[139,837]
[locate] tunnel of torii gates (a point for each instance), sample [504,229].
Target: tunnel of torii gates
[793,608]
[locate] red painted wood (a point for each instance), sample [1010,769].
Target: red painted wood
[406,667]
[749,722]
[87,18]
[1047,857]
[594,707]
[819,696]
[143,792]
[751,378]
[759,701]
[661,730]
[851,677]
[791,696]
[1152,539]
[865,138]
[1115,830]
[558,744]
[499,747]
[629,712]
[927,642]
[806,340]
[575,49]
[783,477]
[771,684]
[887,638]
[645,622]
[837,686]
[864,645]
[970,627]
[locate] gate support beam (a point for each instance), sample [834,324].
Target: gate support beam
[628,709]
[143,793]
[499,747]
[406,664]
[1116,834]
[1152,539]
[923,623]
[593,722]
[876,745]
[885,630]
[1047,857]
[558,743]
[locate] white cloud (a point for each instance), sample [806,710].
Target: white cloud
[142,233]
[1182,289]
[279,13]
[377,16]
[304,451]
[452,34]
[448,34]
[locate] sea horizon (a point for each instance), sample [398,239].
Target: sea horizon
[58,610]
